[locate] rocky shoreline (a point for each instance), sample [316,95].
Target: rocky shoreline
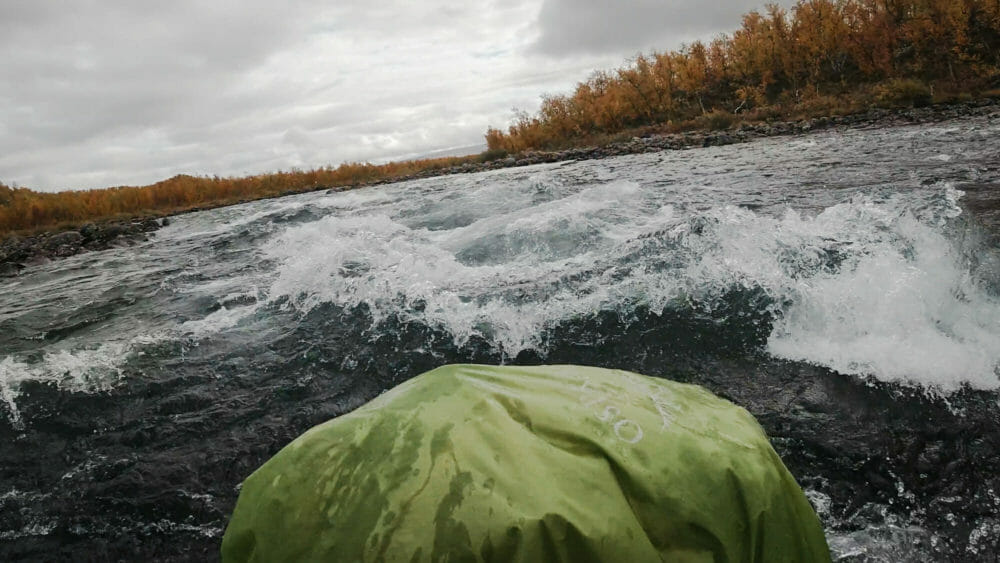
[16,252]
[741,134]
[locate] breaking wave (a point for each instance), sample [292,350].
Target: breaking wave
[881,285]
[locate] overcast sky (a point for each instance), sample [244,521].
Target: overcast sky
[101,93]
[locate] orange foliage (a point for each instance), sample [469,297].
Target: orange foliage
[777,59]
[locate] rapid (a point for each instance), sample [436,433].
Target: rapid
[844,286]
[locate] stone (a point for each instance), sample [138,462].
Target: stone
[67,238]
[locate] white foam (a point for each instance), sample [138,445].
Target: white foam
[428,275]
[377,261]
[874,286]
[883,543]
[985,530]
[87,370]
[30,530]
[900,305]
[902,308]
[215,322]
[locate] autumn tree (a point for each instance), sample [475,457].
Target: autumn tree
[692,74]
[777,59]
[819,32]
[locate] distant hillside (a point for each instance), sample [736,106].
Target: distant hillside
[22,209]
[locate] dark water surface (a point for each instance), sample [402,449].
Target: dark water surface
[843,286]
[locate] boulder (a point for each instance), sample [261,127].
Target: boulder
[10,269]
[65,238]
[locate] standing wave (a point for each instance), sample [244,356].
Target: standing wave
[895,286]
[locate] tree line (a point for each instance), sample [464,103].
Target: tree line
[823,56]
[22,209]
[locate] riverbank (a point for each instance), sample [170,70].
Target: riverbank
[745,132]
[18,252]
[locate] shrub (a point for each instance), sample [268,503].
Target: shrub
[903,92]
[490,155]
[715,120]
[826,106]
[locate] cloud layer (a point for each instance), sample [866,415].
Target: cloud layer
[598,26]
[114,92]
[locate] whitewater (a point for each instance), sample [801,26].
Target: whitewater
[844,286]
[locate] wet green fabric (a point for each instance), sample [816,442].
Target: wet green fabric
[554,463]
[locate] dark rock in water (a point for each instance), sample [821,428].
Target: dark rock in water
[165,222]
[62,245]
[148,225]
[14,249]
[8,269]
[16,252]
[111,232]
[65,251]
[89,231]
[65,238]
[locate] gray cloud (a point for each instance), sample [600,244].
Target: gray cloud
[87,67]
[86,76]
[117,92]
[572,27]
[114,92]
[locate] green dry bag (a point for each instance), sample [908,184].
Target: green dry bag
[554,463]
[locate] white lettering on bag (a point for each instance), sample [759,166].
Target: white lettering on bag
[625,429]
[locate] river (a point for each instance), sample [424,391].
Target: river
[844,286]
